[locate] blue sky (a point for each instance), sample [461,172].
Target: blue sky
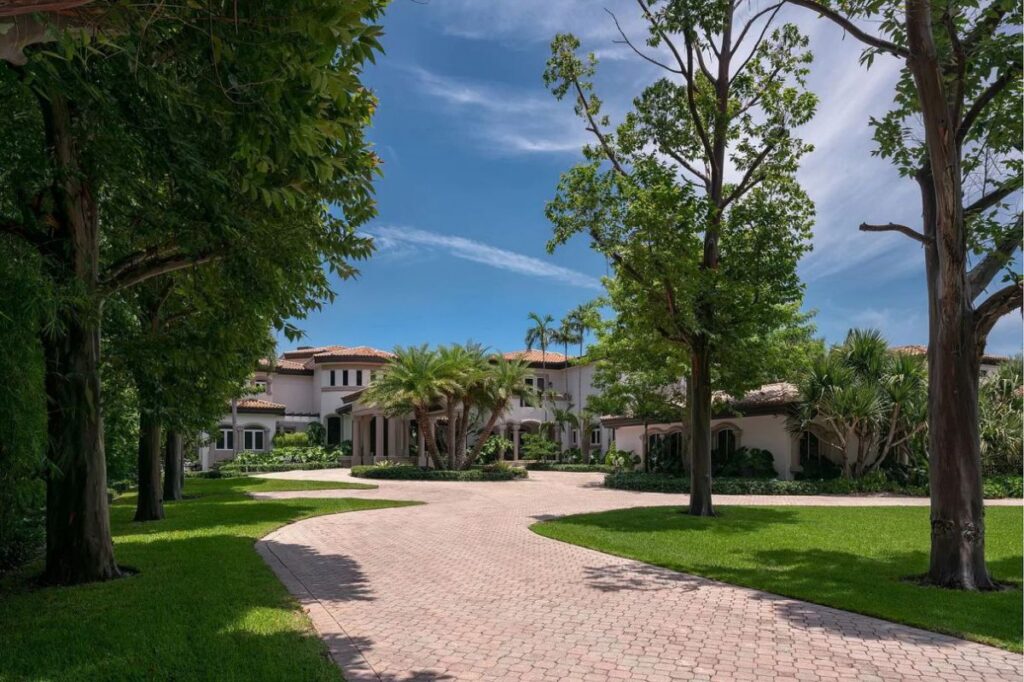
[473,146]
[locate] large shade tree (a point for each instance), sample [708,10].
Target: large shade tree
[956,130]
[131,149]
[693,197]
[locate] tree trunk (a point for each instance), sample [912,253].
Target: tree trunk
[149,503]
[957,507]
[486,433]
[700,430]
[174,466]
[79,548]
[78,544]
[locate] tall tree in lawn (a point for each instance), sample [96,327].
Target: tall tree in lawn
[541,334]
[705,260]
[956,130]
[252,108]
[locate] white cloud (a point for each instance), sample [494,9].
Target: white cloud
[404,240]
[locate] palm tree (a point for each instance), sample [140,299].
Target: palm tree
[541,334]
[863,394]
[414,380]
[465,368]
[582,319]
[567,332]
[504,381]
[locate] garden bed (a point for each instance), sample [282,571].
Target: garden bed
[408,472]
[995,487]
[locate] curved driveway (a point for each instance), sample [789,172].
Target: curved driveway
[460,589]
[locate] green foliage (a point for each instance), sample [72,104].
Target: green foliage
[855,558]
[317,434]
[202,553]
[408,472]
[743,463]
[297,439]
[537,446]
[861,392]
[1001,408]
[23,417]
[620,460]
[494,446]
[571,467]
[289,454]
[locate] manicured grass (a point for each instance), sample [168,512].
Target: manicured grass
[856,559]
[203,606]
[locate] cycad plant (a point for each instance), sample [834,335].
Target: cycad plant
[869,402]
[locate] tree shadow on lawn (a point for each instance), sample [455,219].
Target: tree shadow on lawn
[657,519]
[202,607]
[876,587]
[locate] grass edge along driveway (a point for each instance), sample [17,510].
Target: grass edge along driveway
[851,558]
[203,606]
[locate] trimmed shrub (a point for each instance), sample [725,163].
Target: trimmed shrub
[620,459]
[744,463]
[579,468]
[316,434]
[289,455]
[297,439]
[409,472]
[232,467]
[995,487]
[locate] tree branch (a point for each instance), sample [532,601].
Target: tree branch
[847,25]
[746,183]
[990,93]
[132,276]
[678,158]
[774,9]
[36,239]
[893,227]
[981,274]
[642,55]
[992,198]
[592,127]
[139,258]
[1006,300]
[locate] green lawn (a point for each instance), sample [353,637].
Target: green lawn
[850,558]
[204,606]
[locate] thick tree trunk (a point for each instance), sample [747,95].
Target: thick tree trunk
[174,466]
[700,430]
[79,548]
[78,544]
[957,507]
[149,503]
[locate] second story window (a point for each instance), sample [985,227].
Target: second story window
[332,379]
[261,385]
[344,377]
[359,377]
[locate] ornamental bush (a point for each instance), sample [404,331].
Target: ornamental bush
[579,468]
[289,455]
[409,472]
[297,439]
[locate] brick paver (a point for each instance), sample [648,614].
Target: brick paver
[460,589]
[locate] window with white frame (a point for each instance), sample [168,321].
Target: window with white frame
[595,437]
[252,439]
[226,439]
[261,385]
[725,442]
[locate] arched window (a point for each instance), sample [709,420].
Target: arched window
[810,446]
[725,442]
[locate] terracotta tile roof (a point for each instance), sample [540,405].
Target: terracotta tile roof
[923,350]
[770,395]
[534,356]
[352,353]
[257,405]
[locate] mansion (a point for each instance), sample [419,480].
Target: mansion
[325,384]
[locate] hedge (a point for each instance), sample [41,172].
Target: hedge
[281,466]
[579,468]
[994,487]
[408,472]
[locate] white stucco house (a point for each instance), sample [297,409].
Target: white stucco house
[324,384]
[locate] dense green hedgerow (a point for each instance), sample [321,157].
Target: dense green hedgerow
[579,468]
[409,472]
[995,487]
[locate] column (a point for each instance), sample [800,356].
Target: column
[515,441]
[379,438]
[357,440]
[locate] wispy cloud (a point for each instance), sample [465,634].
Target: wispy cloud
[504,119]
[403,240]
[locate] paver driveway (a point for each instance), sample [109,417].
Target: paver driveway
[460,589]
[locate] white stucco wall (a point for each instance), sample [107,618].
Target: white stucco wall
[293,390]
